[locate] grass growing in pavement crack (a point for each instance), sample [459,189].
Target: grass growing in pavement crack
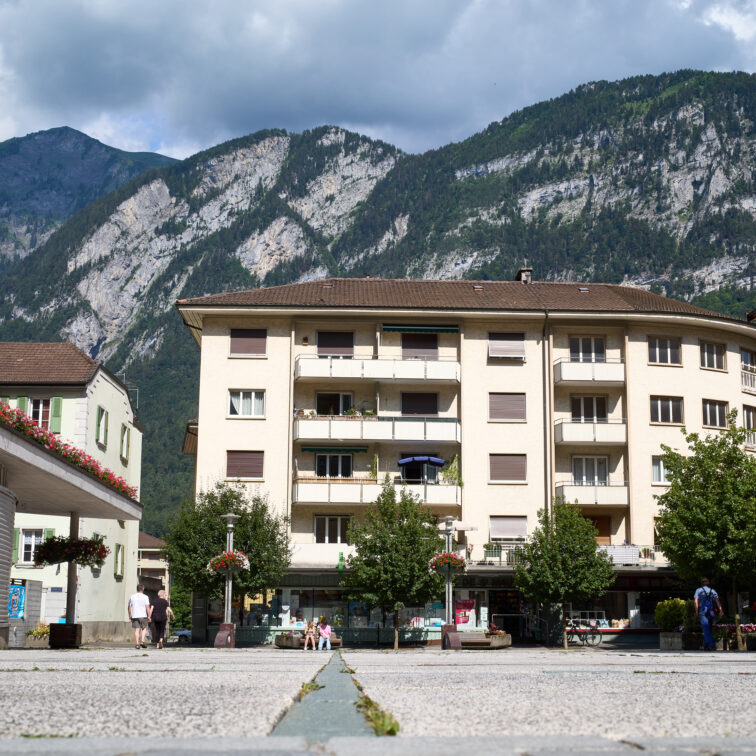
[309,687]
[381,721]
[348,670]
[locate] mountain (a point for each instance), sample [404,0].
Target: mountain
[47,176]
[647,181]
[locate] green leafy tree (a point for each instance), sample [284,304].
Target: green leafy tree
[181,604]
[392,550]
[560,563]
[707,522]
[197,533]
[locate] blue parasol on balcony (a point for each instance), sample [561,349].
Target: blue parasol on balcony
[429,460]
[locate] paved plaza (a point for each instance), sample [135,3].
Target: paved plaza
[181,700]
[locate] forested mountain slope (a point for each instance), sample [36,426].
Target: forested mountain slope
[647,181]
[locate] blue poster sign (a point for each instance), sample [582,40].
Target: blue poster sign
[16,601]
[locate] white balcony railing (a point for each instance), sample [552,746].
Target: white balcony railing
[379,369]
[748,378]
[589,373]
[319,554]
[306,490]
[331,428]
[612,432]
[612,494]
[650,556]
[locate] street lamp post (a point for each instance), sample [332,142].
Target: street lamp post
[447,533]
[225,637]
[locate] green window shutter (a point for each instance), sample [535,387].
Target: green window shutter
[105,442]
[22,402]
[56,412]
[16,534]
[5,399]
[48,533]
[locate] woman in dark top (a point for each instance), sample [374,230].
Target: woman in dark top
[160,611]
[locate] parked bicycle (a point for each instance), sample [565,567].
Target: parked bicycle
[588,635]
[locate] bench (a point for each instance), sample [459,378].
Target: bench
[284,640]
[451,639]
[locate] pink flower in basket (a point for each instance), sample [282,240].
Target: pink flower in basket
[447,559]
[228,561]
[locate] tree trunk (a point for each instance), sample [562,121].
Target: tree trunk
[564,625]
[396,629]
[736,615]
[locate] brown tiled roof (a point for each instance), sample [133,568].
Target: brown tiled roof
[147,541]
[453,295]
[59,362]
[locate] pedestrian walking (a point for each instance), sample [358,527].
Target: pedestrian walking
[309,635]
[140,612]
[707,604]
[161,609]
[324,631]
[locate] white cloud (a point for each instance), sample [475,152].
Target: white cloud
[738,18]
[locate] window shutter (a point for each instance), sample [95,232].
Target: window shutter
[509,346]
[244,464]
[248,340]
[335,343]
[419,346]
[508,527]
[419,404]
[16,535]
[5,399]
[107,417]
[506,406]
[56,413]
[117,558]
[48,533]
[508,466]
[22,403]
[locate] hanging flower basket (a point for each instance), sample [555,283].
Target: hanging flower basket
[228,561]
[86,552]
[448,560]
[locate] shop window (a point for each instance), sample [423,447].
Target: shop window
[331,528]
[667,409]
[587,349]
[664,351]
[714,413]
[588,409]
[712,356]
[248,341]
[246,403]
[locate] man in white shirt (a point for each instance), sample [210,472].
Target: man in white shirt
[140,611]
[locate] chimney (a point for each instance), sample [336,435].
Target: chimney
[524,275]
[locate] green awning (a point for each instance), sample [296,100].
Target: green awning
[335,449]
[391,328]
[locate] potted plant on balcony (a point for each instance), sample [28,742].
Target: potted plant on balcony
[450,472]
[352,412]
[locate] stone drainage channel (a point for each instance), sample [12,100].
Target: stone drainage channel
[328,711]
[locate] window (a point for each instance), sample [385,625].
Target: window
[331,529]
[667,409]
[658,471]
[333,465]
[590,471]
[101,430]
[712,356]
[418,469]
[588,409]
[125,442]
[587,349]
[508,467]
[248,341]
[714,413]
[419,404]
[664,351]
[29,540]
[246,403]
[244,464]
[747,359]
[336,344]
[507,528]
[506,346]
[39,412]
[749,423]
[333,404]
[506,406]
[419,346]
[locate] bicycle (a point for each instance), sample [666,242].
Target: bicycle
[589,635]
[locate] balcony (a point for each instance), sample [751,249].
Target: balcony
[611,494]
[356,428]
[377,369]
[319,554]
[609,373]
[312,490]
[644,556]
[748,378]
[607,433]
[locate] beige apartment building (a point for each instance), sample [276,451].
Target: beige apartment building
[313,393]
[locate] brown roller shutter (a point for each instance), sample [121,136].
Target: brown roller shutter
[335,343]
[508,466]
[419,346]
[244,464]
[248,340]
[509,346]
[419,404]
[506,406]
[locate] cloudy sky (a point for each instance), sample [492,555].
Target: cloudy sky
[175,76]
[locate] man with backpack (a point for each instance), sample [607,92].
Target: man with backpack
[707,605]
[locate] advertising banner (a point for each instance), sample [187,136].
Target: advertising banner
[463,609]
[16,600]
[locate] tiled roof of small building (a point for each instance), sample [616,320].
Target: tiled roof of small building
[147,541]
[59,362]
[385,293]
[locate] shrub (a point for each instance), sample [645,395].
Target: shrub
[669,614]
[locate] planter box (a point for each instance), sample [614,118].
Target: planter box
[65,636]
[32,642]
[671,641]
[692,641]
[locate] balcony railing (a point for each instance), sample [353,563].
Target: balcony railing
[610,494]
[320,554]
[603,432]
[748,378]
[313,490]
[377,369]
[650,556]
[345,428]
[589,373]
[750,441]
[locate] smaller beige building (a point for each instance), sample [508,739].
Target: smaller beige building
[151,563]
